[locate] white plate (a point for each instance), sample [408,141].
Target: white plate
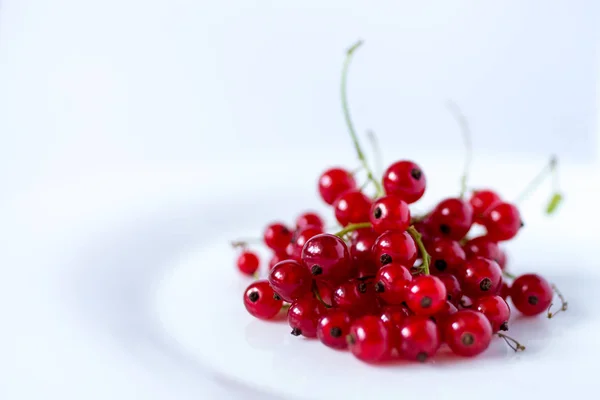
[200,305]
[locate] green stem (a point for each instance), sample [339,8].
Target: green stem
[346,108]
[466,133]
[376,152]
[352,227]
[549,168]
[315,291]
[424,255]
[509,275]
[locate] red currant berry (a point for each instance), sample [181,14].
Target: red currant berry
[294,249]
[290,280]
[405,179]
[446,255]
[496,311]
[390,283]
[467,333]
[425,295]
[277,236]
[482,246]
[325,292]
[481,201]
[453,290]
[419,339]
[356,297]
[333,329]
[480,277]
[352,207]
[369,339]
[361,247]
[248,262]
[276,258]
[531,294]
[303,316]
[327,257]
[309,219]
[502,222]
[397,247]
[334,182]
[504,291]
[260,300]
[451,218]
[390,213]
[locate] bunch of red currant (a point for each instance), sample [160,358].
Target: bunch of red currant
[390,284]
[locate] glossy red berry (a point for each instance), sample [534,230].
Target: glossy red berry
[290,280]
[405,179]
[276,258]
[453,290]
[467,333]
[361,246]
[277,236]
[425,295]
[327,257]
[419,338]
[502,221]
[396,247]
[368,339]
[334,182]
[390,283]
[480,277]
[496,311]
[333,329]
[482,246]
[451,218]
[260,301]
[294,249]
[248,262]
[446,255]
[531,294]
[390,213]
[303,316]
[309,219]
[481,201]
[356,297]
[352,207]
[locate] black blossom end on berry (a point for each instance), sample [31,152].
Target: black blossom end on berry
[416,173]
[533,300]
[335,332]
[441,265]
[504,326]
[426,302]
[445,229]
[379,288]
[316,270]
[422,357]
[377,212]
[296,332]
[485,284]
[522,223]
[362,287]
[467,339]
[253,297]
[385,259]
[449,298]
[350,339]
[276,296]
[285,231]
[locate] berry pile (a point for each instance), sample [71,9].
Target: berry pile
[389,284]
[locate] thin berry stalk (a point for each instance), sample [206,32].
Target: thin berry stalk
[466,134]
[424,255]
[352,227]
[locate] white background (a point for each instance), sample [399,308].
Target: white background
[88,88]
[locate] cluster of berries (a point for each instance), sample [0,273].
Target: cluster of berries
[390,284]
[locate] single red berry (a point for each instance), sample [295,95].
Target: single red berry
[361,246]
[397,247]
[482,246]
[405,179]
[504,291]
[531,294]
[327,257]
[453,290]
[303,316]
[481,201]
[356,297]
[480,277]
[309,219]
[451,218]
[352,207]
[277,236]
[260,300]
[390,213]
[390,283]
[333,329]
[294,249]
[276,258]
[502,221]
[496,311]
[419,338]
[446,255]
[290,280]
[248,262]
[425,295]
[369,339]
[334,182]
[467,333]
